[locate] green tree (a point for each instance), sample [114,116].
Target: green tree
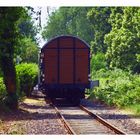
[99,16]
[69,21]
[9,17]
[26,47]
[98,62]
[27,51]
[124,39]
[27,27]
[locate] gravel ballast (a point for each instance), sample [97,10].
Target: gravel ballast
[125,121]
[34,117]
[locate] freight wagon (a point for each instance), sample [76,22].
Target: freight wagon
[65,68]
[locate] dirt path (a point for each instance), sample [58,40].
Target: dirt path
[33,117]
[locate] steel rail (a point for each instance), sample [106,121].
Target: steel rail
[104,122]
[66,124]
[97,117]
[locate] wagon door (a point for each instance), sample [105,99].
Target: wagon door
[65,61]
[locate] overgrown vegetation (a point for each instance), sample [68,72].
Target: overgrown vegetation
[117,87]
[120,67]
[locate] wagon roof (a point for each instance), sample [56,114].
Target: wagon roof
[62,36]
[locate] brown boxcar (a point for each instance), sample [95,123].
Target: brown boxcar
[65,67]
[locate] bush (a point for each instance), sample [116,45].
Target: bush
[118,88]
[27,76]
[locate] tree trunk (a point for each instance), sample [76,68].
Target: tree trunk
[9,34]
[9,73]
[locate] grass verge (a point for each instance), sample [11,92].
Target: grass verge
[135,109]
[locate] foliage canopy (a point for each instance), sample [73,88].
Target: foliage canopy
[124,39]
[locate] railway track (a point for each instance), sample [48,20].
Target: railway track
[79,120]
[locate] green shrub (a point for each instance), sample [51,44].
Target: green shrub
[27,77]
[118,88]
[134,108]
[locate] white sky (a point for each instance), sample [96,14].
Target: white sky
[44,18]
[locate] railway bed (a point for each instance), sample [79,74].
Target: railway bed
[79,120]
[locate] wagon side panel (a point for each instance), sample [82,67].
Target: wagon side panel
[81,66]
[50,68]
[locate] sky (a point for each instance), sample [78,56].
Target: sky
[44,19]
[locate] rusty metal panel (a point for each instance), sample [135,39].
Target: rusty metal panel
[81,69]
[52,44]
[80,44]
[50,62]
[66,42]
[66,61]
[66,66]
